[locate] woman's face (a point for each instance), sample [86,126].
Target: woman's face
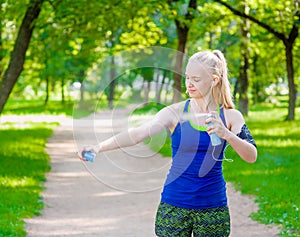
[198,80]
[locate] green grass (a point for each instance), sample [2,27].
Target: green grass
[20,107]
[69,108]
[24,163]
[55,107]
[150,108]
[159,142]
[274,178]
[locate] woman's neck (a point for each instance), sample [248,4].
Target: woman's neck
[202,106]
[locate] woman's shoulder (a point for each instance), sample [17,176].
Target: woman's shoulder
[233,112]
[234,118]
[172,113]
[178,107]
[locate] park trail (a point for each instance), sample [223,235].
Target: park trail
[117,194]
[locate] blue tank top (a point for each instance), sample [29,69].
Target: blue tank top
[195,179]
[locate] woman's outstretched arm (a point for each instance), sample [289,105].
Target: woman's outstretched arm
[163,120]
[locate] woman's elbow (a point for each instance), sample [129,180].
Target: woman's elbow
[253,156]
[137,135]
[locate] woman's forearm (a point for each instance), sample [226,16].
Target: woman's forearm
[135,135]
[130,137]
[245,150]
[127,138]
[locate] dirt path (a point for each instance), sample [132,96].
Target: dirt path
[118,194]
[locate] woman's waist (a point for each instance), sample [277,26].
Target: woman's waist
[195,167]
[193,179]
[197,194]
[195,173]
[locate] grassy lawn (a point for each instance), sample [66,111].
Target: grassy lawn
[55,107]
[24,163]
[20,107]
[69,108]
[274,178]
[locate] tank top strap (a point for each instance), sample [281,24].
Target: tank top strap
[186,106]
[221,111]
[222,116]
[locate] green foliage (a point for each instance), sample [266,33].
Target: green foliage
[74,37]
[144,31]
[150,108]
[161,143]
[24,163]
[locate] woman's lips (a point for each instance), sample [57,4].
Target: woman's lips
[191,90]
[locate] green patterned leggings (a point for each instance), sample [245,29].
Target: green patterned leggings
[174,221]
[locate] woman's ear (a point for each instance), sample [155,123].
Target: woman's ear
[215,81]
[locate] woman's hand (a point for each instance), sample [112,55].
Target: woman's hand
[217,126]
[86,148]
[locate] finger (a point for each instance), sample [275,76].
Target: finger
[210,129]
[208,120]
[210,117]
[215,114]
[83,159]
[88,148]
[84,148]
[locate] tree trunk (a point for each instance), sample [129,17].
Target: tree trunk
[243,84]
[17,59]
[1,43]
[243,80]
[210,42]
[81,93]
[167,86]
[157,85]
[47,90]
[160,87]
[112,83]
[182,32]
[291,82]
[147,91]
[141,93]
[82,86]
[256,88]
[62,90]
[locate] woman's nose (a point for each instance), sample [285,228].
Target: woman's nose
[189,83]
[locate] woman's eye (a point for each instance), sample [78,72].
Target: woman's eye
[194,79]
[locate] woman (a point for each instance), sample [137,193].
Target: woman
[193,200]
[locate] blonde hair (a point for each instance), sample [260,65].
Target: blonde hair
[216,64]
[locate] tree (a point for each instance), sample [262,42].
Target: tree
[17,59]
[243,79]
[287,36]
[183,26]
